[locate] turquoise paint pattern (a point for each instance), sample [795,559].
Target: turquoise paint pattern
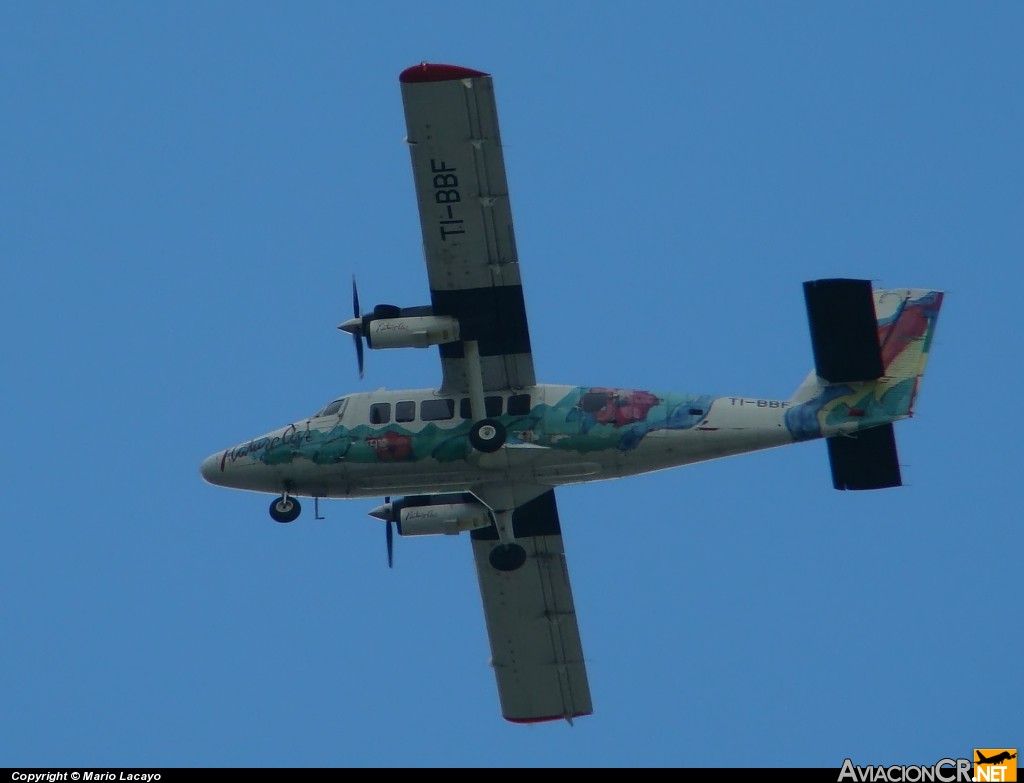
[586,419]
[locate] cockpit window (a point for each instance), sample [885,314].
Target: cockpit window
[336,408]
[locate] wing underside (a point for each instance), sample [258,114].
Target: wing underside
[462,194]
[473,271]
[535,642]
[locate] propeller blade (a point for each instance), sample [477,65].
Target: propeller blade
[354,326]
[390,536]
[386,514]
[391,545]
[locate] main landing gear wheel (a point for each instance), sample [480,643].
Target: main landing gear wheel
[285,509]
[487,435]
[507,557]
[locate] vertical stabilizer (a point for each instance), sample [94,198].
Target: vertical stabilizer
[870,351]
[906,326]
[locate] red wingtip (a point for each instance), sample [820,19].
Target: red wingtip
[436,72]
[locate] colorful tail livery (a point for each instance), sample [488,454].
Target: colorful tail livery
[870,350]
[906,325]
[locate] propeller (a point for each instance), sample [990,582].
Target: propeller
[386,514]
[354,326]
[389,536]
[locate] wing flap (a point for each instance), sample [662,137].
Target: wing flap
[459,172]
[466,218]
[536,649]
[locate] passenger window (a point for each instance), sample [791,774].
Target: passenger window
[592,402]
[519,405]
[492,406]
[437,410]
[380,413]
[405,411]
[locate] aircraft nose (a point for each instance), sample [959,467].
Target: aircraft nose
[211,469]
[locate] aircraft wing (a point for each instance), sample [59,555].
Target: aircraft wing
[531,621]
[472,267]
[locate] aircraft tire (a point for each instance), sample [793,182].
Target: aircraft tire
[507,557]
[487,435]
[285,511]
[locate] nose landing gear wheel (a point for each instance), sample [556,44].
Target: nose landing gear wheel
[487,435]
[507,557]
[285,509]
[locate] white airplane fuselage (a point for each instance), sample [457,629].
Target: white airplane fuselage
[562,435]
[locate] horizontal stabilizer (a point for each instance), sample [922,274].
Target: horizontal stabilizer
[865,460]
[844,330]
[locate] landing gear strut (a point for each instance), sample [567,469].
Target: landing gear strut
[486,435]
[507,555]
[285,509]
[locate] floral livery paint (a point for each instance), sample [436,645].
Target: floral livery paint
[623,417]
[906,325]
[391,446]
[586,419]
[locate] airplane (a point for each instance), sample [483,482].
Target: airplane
[484,452]
[996,759]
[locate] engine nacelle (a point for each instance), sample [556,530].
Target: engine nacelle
[448,519]
[434,515]
[411,331]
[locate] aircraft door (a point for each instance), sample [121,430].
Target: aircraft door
[522,413]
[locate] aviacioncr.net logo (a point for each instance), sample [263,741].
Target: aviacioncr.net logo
[995,765]
[942,771]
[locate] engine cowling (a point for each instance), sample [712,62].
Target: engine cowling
[411,331]
[449,519]
[431,516]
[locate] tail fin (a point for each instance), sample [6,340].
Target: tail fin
[870,351]
[893,351]
[906,325]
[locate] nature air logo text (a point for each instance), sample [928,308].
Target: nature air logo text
[995,764]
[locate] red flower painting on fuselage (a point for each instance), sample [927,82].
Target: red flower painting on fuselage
[391,446]
[617,407]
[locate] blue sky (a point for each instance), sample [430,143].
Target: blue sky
[185,193]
